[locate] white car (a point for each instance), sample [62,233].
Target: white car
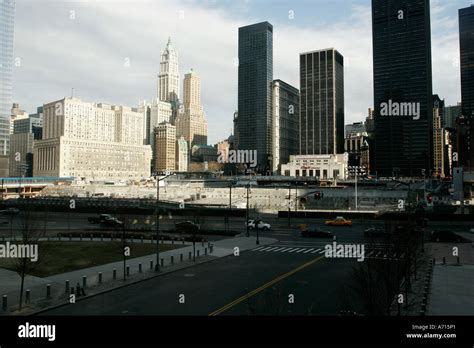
[261,225]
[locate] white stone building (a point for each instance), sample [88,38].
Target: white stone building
[94,141]
[319,166]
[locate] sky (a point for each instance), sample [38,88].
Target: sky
[109,50]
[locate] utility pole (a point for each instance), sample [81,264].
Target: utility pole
[247,212]
[289,205]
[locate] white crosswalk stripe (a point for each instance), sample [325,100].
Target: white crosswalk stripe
[293,250]
[307,251]
[271,249]
[316,251]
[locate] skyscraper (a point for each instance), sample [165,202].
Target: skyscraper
[321,103]
[466,123]
[168,78]
[165,143]
[285,122]
[191,123]
[254,120]
[403,106]
[7,18]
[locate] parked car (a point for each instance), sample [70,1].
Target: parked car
[111,222]
[376,232]
[261,225]
[10,211]
[315,232]
[187,227]
[99,219]
[338,221]
[445,236]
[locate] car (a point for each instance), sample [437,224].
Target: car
[187,227]
[111,222]
[99,219]
[10,211]
[338,221]
[376,232]
[445,236]
[313,231]
[261,225]
[471,230]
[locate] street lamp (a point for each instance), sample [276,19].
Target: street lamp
[157,225]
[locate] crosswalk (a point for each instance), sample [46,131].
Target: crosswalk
[374,253]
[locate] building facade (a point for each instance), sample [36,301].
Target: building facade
[182,155]
[165,147]
[320,166]
[439,138]
[254,92]
[7,24]
[92,141]
[322,103]
[168,78]
[285,123]
[191,123]
[466,124]
[402,87]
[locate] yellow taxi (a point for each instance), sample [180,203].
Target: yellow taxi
[338,221]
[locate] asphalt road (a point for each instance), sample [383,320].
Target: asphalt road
[254,283]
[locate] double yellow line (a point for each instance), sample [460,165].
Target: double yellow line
[263,287]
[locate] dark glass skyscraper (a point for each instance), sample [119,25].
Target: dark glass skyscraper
[254,92]
[7,17]
[321,103]
[403,104]
[466,123]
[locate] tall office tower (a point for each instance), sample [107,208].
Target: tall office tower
[438,138]
[285,123]
[403,105]
[168,78]
[466,123]
[321,102]
[451,113]
[7,19]
[94,141]
[191,123]
[254,120]
[165,147]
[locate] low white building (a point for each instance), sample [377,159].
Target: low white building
[319,166]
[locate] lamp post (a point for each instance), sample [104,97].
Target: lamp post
[256,227]
[289,205]
[247,213]
[157,225]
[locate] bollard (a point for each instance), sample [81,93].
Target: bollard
[172,241]
[91,237]
[84,281]
[459,261]
[100,277]
[70,236]
[209,244]
[190,255]
[68,286]
[27,296]
[202,242]
[205,251]
[141,237]
[139,268]
[182,241]
[162,262]
[101,237]
[112,237]
[128,271]
[172,259]
[114,274]
[48,291]
[181,257]
[444,260]
[212,248]
[48,238]
[198,253]
[59,237]
[80,237]
[4,302]
[162,240]
[151,264]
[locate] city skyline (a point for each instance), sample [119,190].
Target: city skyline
[79,62]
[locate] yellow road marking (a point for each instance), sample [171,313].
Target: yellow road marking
[263,287]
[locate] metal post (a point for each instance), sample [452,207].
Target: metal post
[140,268]
[48,291]
[289,205]
[68,287]
[356,172]
[247,213]
[100,277]
[151,264]
[128,271]
[157,225]
[84,281]
[27,296]
[172,259]
[114,274]
[5,302]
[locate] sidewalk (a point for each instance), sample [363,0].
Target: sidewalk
[10,281]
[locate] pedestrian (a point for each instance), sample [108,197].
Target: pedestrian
[78,289]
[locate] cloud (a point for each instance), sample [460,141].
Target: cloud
[85,44]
